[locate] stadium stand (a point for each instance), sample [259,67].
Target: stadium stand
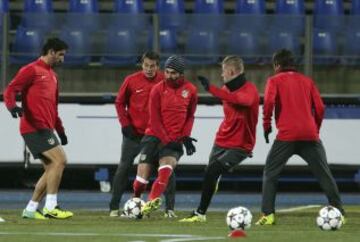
[355,7]
[249,49]
[202,47]
[250,7]
[38,14]
[324,47]
[121,47]
[171,14]
[79,46]
[292,13]
[324,12]
[83,14]
[351,47]
[130,6]
[4,6]
[27,45]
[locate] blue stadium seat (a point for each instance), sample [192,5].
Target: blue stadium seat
[351,49]
[83,6]
[167,42]
[38,14]
[209,6]
[121,47]
[202,47]
[38,6]
[292,13]
[327,14]
[250,7]
[83,14]
[324,47]
[250,15]
[27,45]
[284,40]
[208,14]
[4,6]
[129,6]
[355,7]
[290,7]
[79,46]
[171,13]
[131,15]
[249,49]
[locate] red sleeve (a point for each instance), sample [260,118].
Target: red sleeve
[58,125]
[191,115]
[121,103]
[155,116]
[269,103]
[21,81]
[318,106]
[241,98]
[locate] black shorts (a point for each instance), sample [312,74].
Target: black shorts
[152,151]
[40,141]
[228,158]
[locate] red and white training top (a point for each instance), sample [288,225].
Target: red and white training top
[38,85]
[172,111]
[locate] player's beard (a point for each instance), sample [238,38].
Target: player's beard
[175,82]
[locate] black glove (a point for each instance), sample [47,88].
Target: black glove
[204,82]
[189,146]
[63,138]
[128,131]
[266,135]
[16,112]
[174,146]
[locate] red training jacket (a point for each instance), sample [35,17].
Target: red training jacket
[172,111]
[299,109]
[241,110]
[132,100]
[38,85]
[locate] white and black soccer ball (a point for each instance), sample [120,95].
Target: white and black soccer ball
[329,218]
[132,207]
[239,218]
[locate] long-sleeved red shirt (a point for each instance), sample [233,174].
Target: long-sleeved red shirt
[38,85]
[241,111]
[172,111]
[132,100]
[299,109]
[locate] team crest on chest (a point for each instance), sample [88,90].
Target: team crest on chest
[185,93]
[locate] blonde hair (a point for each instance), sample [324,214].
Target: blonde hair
[234,61]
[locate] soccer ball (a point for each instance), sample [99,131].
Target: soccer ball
[132,207]
[329,218]
[239,218]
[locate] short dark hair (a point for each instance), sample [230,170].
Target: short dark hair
[284,58]
[152,55]
[54,44]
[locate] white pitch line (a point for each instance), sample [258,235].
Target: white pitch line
[193,239]
[294,209]
[170,237]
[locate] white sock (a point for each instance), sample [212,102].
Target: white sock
[32,206]
[51,201]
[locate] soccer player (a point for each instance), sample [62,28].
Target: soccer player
[38,85]
[299,112]
[235,138]
[172,105]
[132,109]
